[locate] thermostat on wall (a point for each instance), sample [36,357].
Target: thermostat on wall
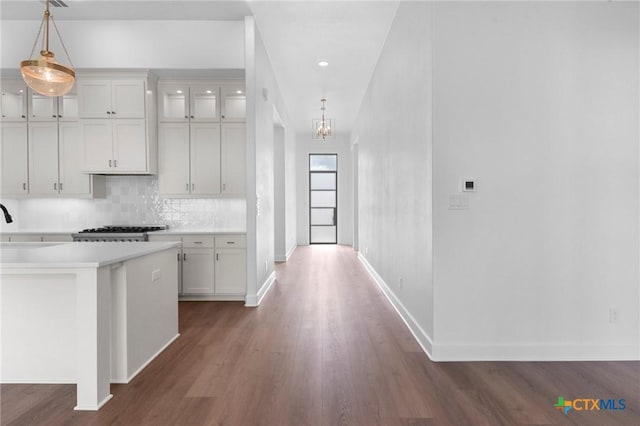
[468,185]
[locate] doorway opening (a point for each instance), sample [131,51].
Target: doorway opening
[323,198]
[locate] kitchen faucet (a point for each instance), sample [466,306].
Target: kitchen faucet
[7,216]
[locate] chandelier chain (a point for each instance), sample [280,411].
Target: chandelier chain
[62,42]
[35,42]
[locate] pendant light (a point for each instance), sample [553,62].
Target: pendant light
[45,75]
[323,128]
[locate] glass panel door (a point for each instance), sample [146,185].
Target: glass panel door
[323,198]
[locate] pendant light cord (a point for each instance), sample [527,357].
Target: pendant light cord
[33,49]
[62,42]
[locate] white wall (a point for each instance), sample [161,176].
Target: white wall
[263,94]
[341,146]
[393,130]
[538,103]
[132,44]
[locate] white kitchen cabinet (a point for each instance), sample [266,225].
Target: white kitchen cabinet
[180,101]
[25,238]
[48,108]
[230,268]
[233,161]
[189,159]
[14,159]
[57,238]
[118,123]
[197,271]
[55,159]
[115,146]
[117,98]
[13,103]
[233,101]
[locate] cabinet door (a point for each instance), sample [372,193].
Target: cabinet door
[70,150]
[68,107]
[42,108]
[173,158]
[204,103]
[14,159]
[13,106]
[173,102]
[233,103]
[230,272]
[94,98]
[43,158]
[205,159]
[130,146]
[127,99]
[233,140]
[98,150]
[197,271]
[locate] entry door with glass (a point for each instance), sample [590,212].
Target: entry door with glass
[323,198]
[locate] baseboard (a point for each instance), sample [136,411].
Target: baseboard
[253,300]
[285,258]
[418,333]
[142,367]
[216,298]
[535,352]
[572,351]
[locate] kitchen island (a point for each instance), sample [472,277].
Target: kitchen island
[85,313]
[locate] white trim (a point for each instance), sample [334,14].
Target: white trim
[287,256]
[418,333]
[252,300]
[212,298]
[135,373]
[92,408]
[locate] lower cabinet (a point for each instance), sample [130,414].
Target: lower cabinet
[35,238]
[210,267]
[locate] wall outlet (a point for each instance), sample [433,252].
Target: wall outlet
[614,315]
[155,275]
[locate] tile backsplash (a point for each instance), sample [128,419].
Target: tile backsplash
[130,200]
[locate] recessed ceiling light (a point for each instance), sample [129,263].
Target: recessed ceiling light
[239,92]
[208,91]
[179,92]
[323,63]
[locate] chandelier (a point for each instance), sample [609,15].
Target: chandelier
[323,128]
[45,75]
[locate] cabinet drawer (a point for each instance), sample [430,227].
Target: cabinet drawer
[165,238]
[230,241]
[197,241]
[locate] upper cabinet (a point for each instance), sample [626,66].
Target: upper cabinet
[201,101]
[188,102]
[13,105]
[119,130]
[116,98]
[234,103]
[47,108]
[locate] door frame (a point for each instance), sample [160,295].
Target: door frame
[336,190]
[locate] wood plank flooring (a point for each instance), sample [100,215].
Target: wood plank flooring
[326,348]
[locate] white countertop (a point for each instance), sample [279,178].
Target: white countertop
[39,231]
[187,231]
[75,255]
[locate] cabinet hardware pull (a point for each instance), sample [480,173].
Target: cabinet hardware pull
[178,257]
[113,113]
[193,186]
[59,116]
[197,242]
[186,116]
[60,186]
[24,186]
[187,187]
[217,256]
[55,186]
[109,163]
[231,242]
[54,116]
[115,163]
[109,112]
[184,256]
[23,116]
[192,116]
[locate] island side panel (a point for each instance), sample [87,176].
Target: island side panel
[152,307]
[38,327]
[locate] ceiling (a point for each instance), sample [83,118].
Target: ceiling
[297,35]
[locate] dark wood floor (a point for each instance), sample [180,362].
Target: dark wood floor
[326,348]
